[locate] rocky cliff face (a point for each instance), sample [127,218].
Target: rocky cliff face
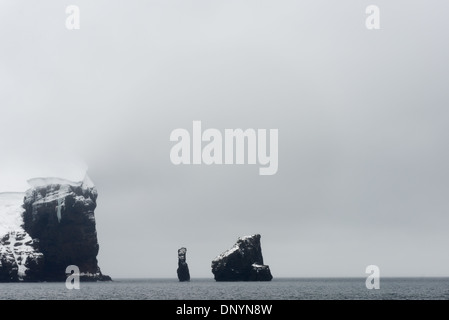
[18,253]
[243,262]
[183,268]
[53,227]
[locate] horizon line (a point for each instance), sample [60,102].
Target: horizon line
[284,277]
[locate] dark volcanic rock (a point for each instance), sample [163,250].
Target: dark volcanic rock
[58,230]
[183,268]
[243,262]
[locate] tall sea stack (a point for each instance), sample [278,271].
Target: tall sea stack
[183,268]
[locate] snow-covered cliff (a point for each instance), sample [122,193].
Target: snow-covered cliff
[46,229]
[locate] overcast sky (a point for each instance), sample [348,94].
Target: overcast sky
[362,118]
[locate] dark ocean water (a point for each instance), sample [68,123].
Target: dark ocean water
[208,289]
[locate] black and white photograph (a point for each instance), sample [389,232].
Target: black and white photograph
[244,150]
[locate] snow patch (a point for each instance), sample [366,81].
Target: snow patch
[234,248]
[11,221]
[53,196]
[58,209]
[244,238]
[11,212]
[227,253]
[40,182]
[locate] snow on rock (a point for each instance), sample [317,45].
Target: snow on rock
[226,253]
[236,247]
[57,190]
[243,262]
[40,182]
[16,245]
[53,219]
[11,211]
